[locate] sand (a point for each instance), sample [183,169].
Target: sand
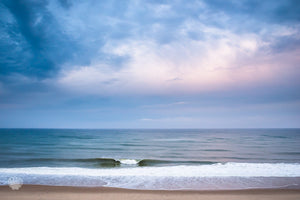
[34,192]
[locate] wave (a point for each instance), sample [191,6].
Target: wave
[205,176]
[210,170]
[111,162]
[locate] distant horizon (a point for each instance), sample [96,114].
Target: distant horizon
[152,128]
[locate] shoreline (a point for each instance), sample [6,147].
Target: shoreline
[42,192]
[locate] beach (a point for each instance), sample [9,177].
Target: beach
[149,100]
[35,192]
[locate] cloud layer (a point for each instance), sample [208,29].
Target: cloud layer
[171,50]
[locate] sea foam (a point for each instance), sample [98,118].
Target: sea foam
[214,170]
[215,176]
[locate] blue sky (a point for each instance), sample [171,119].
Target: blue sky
[149,64]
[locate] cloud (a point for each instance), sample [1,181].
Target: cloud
[34,44]
[41,38]
[221,61]
[167,105]
[60,53]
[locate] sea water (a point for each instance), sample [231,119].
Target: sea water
[197,159]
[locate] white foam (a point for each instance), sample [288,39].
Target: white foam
[215,170]
[216,176]
[129,161]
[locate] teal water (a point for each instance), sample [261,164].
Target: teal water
[52,154]
[64,147]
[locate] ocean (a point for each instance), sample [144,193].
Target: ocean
[167,159]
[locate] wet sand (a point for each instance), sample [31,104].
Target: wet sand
[34,192]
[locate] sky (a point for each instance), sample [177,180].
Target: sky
[149,64]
